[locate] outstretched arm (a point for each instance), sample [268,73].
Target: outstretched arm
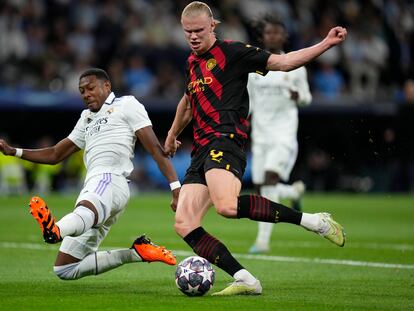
[49,155]
[296,59]
[152,145]
[183,116]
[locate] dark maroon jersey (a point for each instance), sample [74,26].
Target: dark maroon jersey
[217,89]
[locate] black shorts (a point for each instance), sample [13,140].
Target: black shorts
[223,153]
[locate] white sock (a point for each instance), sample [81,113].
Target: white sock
[310,221]
[77,222]
[245,276]
[286,191]
[97,263]
[263,235]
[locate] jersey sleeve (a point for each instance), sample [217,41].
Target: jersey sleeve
[250,58]
[77,136]
[136,115]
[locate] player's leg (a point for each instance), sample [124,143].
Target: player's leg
[224,188]
[281,160]
[260,178]
[69,267]
[264,232]
[79,256]
[286,157]
[271,164]
[193,203]
[259,208]
[88,211]
[75,223]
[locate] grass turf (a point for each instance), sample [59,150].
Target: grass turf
[296,274]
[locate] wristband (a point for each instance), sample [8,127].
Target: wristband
[174,185]
[19,152]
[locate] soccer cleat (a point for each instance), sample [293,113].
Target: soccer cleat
[331,230]
[255,249]
[149,252]
[42,214]
[239,287]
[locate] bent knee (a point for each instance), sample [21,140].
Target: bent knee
[184,227]
[226,210]
[67,272]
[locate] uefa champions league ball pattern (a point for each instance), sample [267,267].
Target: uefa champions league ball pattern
[194,276]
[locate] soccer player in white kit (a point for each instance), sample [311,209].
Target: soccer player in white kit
[107,131]
[274,101]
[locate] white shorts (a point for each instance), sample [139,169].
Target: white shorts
[109,194]
[278,157]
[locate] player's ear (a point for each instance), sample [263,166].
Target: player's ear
[214,23]
[107,85]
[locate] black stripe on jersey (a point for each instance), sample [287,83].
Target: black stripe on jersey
[198,106]
[202,114]
[209,93]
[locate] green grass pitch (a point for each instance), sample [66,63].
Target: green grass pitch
[374,271]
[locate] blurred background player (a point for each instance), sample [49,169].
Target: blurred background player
[274,101]
[107,130]
[43,175]
[12,176]
[216,100]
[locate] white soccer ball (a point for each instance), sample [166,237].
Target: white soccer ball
[194,276]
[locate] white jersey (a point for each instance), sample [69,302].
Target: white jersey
[274,113]
[108,136]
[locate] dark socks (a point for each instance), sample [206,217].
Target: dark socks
[208,247]
[259,208]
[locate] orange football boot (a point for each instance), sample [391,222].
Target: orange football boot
[150,252]
[42,214]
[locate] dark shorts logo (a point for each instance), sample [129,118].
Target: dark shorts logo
[216,155]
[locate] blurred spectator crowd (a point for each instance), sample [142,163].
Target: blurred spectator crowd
[45,44]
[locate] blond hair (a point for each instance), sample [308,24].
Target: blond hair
[197,8]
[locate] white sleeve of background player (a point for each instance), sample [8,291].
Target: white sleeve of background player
[77,136]
[250,90]
[136,115]
[302,87]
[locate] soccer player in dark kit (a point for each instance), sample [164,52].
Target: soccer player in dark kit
[216,100]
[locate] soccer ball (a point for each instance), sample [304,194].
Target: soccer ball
[194,276]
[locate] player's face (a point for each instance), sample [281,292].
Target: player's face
[199,32]
[94,92]
[274,37]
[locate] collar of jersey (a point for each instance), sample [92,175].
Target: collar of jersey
[110,99]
